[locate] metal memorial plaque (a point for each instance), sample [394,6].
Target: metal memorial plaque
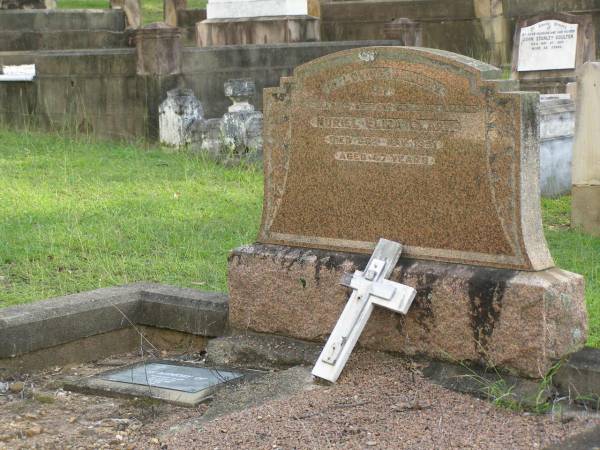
[170,376]
[171,381]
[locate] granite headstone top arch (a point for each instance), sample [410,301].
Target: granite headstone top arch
[420,146]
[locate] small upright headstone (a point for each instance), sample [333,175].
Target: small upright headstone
[177,115]
[170,8]
[242,125]
[238,134]
[406,31]
[586,154]
[549,48]
[557,130]
[237,22]
[27,4]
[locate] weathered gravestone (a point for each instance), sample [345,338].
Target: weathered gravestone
[423,147]
[585,213]
[548,49]
[27,4]
[237,22]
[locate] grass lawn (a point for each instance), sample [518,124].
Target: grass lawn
[152,10]
[78,215]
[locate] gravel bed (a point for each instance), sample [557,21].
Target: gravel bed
[380,401]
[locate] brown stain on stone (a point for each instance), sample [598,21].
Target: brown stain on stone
[422,306]
[486,290]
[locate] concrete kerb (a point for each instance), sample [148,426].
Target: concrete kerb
[63,320]
[57,321]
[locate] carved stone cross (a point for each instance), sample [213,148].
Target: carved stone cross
[369,288]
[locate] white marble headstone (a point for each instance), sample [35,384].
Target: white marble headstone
[547,45]
[232,9]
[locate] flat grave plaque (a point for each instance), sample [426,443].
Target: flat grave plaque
[171,381]
[171,376]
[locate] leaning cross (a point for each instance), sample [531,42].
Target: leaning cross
[369,288]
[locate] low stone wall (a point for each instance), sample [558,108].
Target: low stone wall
[482,29]
[92,91]
[100,91]
[22,30]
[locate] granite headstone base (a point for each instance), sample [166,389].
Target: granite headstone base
[257,30]
[585,208]
[514,320]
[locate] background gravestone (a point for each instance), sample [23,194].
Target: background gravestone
[547,50]
[585,211]
[430,149]
[27,4]
[237,22]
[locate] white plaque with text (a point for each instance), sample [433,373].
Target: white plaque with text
[547,45]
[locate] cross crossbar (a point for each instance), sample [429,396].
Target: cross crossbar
[369,288]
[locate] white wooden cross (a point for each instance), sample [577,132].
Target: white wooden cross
[369,288]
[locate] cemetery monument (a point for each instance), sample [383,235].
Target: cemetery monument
[429,149]
[236,22]
[548,49]
[585,212]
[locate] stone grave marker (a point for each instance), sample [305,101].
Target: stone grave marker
[548,48]
[237,22]
[173,382]
[27,4]
[170,8]
[419,146]
[585,212]
[386,130]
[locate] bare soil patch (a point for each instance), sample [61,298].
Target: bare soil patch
[380,401]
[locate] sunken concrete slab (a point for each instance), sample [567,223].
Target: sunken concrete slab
[483,383]
[578,377]
[140,339]
[48,323]
[260,351]
[588,440]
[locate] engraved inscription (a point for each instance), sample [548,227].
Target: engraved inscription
[324,105]
[385,158]
[384,74]
[547,45]
[379,141]
[372,123]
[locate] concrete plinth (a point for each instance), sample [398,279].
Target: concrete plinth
[258,30]
[520,321]
[585,208]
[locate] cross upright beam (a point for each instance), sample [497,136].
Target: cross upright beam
[370,288]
